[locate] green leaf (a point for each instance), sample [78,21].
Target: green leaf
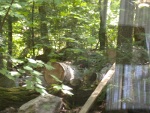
[67,92]
[27,68]
[49,67]
[76,50]
[65,87]
[56,78]
[83,4]
[38,80]
[3,71]
[70,39]
[10,77]
[16,60]
[5,6]
[32,61]
[41,91]
[40,86]
[40,63]
[21,70]
[2,13]
[29,84]
[36,73]
[57,87]
[14,73]
[32,65]
[91,40]
[15,5]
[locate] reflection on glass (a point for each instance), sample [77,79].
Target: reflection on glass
[129,88]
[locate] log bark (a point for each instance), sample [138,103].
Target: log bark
[15,97]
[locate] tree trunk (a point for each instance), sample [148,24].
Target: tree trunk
[1,43]
[44,29]
[4,81]
[32,29]
[103,18]
[9,64]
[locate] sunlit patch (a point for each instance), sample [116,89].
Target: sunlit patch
[143,5]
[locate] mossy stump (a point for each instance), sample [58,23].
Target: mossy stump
[15,97]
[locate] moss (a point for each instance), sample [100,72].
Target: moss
[15,97]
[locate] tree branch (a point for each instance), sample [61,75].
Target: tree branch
[3,21]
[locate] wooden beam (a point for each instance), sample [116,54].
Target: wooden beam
[98,90]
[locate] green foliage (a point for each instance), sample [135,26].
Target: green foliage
[71,25]
[68,22]
[33,81]
[53,76]
[7,73]
[64,88]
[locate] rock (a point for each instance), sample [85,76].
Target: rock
[9,110]
[42,104]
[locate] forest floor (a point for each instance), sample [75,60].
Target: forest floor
[79,99]
[95,109]
[73,104]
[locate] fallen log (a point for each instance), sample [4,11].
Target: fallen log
[58,71]
[15,97]
[98,90]
[65,72]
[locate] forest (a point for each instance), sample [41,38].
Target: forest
[66,47]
